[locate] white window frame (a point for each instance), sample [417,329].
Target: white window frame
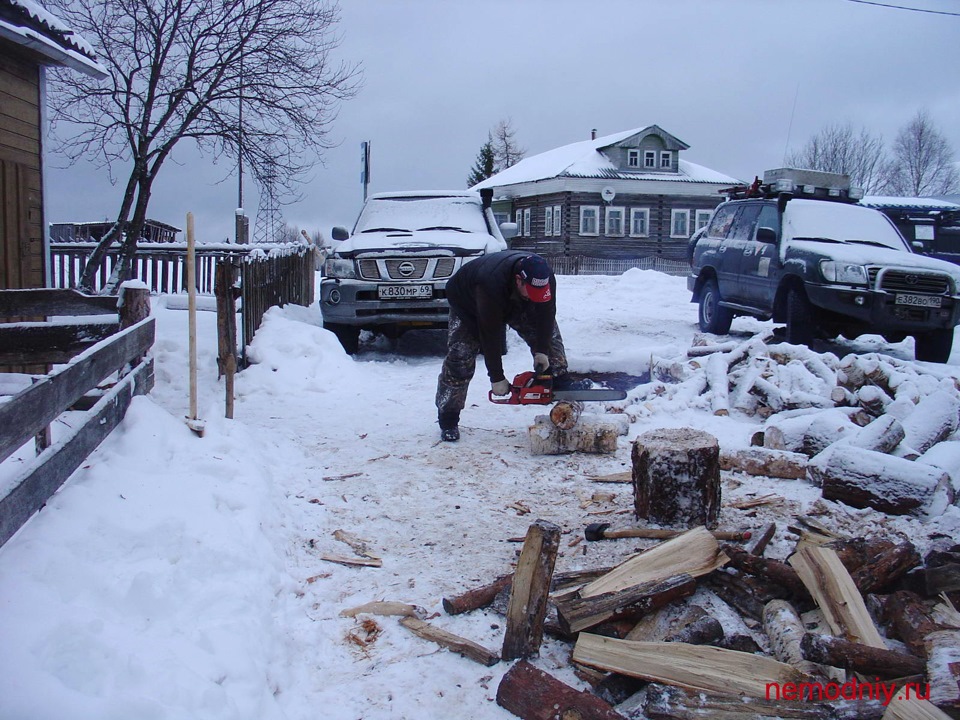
[501,217]
[650,159]
[596,220]
[610,210]
[668,156]
[548,220]
[527,225]
[674,215]
[557,219]
[518,219]
[702,219]
[646,221]
[633,158]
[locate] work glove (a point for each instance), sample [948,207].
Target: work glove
[541,363]
[500,387]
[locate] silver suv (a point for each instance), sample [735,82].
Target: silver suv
[390,274]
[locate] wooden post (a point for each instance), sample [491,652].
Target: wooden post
[192,421]
[530,590]
[133,305]
[226,327]
[676,477]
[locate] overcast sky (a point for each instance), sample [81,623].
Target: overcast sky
[739,81]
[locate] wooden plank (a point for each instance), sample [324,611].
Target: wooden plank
[530,590]
[33,487]
[835,592]
[455,643]
[33,408]
[26,343]
[48,302]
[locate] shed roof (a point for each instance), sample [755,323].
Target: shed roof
[911,204]
[27,23]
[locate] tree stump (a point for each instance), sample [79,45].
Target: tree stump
[676,477]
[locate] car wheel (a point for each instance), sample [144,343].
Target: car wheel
[800,318]
[934,346]
[713,317]
[348,335]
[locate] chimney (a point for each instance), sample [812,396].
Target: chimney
[593,134]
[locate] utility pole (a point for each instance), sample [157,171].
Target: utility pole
[365,167]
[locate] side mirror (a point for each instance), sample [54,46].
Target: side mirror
[340,233]
[918,246]
[508,230]
[766,234]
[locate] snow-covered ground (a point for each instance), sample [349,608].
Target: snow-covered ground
[181,577]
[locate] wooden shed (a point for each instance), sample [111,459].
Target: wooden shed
[31,39]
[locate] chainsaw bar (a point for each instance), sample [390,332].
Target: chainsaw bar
[594,395]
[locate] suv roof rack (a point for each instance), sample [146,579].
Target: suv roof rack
[785,183]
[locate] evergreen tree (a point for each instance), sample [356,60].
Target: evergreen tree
[483,167]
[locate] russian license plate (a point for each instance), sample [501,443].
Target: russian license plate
[405,292]
[930,301]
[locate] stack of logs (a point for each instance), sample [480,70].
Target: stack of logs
[639,627]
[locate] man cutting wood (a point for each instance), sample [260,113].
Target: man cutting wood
[509,288]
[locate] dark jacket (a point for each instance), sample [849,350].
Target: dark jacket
[484,294]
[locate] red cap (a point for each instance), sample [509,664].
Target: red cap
[535,273]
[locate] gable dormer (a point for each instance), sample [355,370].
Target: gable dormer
[652,150]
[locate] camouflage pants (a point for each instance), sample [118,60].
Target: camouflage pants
[463,346]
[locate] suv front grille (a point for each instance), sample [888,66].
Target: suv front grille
[444,268]
[896,280]
[369,270]
[406,268]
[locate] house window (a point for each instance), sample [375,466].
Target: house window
[589,215]
[614,221]
[527,227]
[518,219]
[666,160]
[639,222]
[548,221]
[633,158]
[649,159]
[703,218]
[501,218]
[679,223]
[556,219]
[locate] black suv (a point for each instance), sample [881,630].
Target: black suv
[797,249]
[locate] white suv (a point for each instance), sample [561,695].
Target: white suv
[390,274]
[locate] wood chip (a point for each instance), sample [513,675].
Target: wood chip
[382,607]
[358,561]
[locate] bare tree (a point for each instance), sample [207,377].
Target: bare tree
[182,70]
[506,151]
[922,162]
[841,149]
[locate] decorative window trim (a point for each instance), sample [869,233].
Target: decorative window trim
[668,156]
[518,219]
[527,225]
[649,159]
[548,220]
[646,223]
[674,214]
[702,219]
[614,209]
[596,220]
[557,219]
[633,158]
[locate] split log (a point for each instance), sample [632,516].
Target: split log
[592,434]
[881,662]
[854,553]
[832,587]
[943,669]
[455,643]
[910,620]
[864,478]
[566,414]
[935,418]
[697,667]
[531,694]
[783,627]
[676,477]
[665,702]
[577,612]
[908,705]
[765,462]
[761,539]
[773,570]
[716,371]
[529,593]
[886,567]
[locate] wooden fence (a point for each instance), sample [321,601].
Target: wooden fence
[74,386]
[587,265]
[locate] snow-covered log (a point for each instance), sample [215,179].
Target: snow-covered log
[943,668]
[808,433]
[716,369]
[935,418]
[873,399]
[591,434]
[946,456]
[765,462]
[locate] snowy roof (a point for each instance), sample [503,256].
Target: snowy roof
[27,23]
[908,203]
[585,160]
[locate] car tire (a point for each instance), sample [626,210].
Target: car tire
[713,318]
[934,346]
[800,318]
[348,335]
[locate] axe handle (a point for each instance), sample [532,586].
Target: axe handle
[666,534]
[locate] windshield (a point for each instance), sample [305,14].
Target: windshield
[838,222]
[406,214]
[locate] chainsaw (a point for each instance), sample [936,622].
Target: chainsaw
[530,388]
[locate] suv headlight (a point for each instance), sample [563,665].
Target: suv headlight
[334,267]
[841,272]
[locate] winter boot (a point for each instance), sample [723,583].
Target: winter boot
[449,432]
